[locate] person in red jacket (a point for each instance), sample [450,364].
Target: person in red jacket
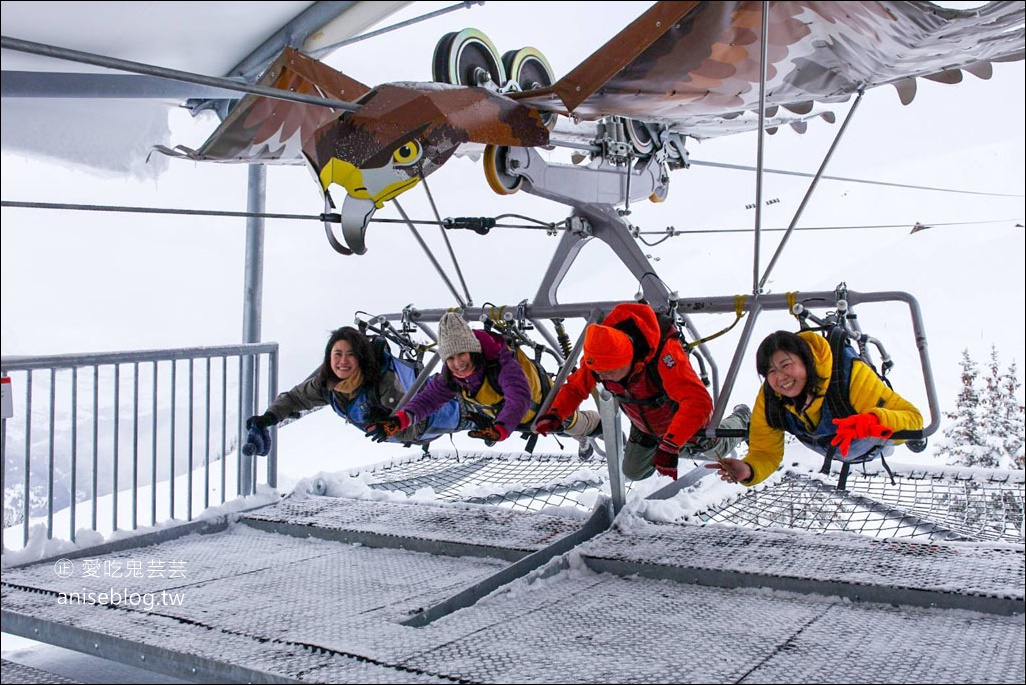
[650,375]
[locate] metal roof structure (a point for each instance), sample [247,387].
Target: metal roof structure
[189,38]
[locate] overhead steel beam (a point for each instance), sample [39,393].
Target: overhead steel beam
[50,84]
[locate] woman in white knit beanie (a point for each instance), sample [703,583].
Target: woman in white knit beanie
[500,389]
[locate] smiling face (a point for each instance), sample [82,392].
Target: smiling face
[786,374]
[343,360]
[460,365]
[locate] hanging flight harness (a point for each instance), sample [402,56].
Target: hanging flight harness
[836,402]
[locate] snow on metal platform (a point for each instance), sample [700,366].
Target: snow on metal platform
[320,591]
[19,674]
[473,530]
[980,576]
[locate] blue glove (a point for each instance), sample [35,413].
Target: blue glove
[258,439]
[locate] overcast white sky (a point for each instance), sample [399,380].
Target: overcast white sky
[75,282]
[87,281]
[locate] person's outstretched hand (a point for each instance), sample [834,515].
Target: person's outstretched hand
[665,462]
[493,433]
[380,431]
[548,423]
[732,470]
[858,427]
[258,438]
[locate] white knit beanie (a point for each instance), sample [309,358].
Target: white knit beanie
[455,336]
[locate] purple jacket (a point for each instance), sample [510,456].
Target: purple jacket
[515,391]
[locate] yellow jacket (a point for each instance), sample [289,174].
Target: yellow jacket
[866,392]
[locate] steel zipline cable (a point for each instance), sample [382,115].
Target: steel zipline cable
[492,222]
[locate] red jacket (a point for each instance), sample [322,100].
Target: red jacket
[674,412]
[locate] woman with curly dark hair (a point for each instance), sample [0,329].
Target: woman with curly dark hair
[362,384]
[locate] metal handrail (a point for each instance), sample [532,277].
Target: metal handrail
[187,405]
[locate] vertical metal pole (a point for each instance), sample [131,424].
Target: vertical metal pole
[74,451]
[206,442]
[735,366]
[609,410]
[272,391]
[96,440]
[117,442]
[252,305]
[135,445]
[49,461]
[762,137]
[190,422]
[27,492]
[224,421]
[3,462]
[257,362]
[174,432]
[239,458]
[153,462]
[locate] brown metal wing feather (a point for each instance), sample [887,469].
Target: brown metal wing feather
[700,71]
[267,130]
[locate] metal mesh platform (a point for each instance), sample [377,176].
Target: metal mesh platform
[471,531]
[19,674]
[325,589]
[517,481]
[985,578]
[267,607]
[921,504]
[923,507]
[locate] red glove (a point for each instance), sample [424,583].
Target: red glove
[858,427]
[665,459]
[493,433]
[382,430]
[548,423]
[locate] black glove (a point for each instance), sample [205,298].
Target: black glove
[380,431]
[490,434]
[258,438]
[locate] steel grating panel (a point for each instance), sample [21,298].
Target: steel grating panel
[18,674]
[599,628]
[470,525]
[969,568]
[582,627]
[269,617]
[267,607]
[883,644]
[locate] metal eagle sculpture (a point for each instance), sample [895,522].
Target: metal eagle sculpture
[681,69]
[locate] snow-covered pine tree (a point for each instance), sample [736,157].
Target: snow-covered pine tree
[964,436]
[1013,417]
[992,415]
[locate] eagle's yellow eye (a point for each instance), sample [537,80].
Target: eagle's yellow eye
[407,153]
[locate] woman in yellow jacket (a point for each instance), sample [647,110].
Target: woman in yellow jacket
[797,369]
